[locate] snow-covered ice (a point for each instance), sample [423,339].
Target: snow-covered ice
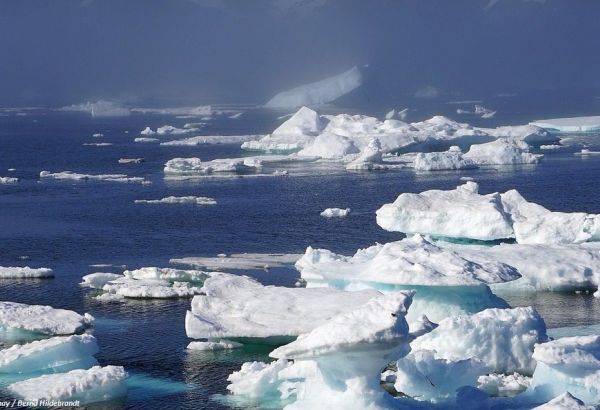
[197,166]
[194,200]
[335,212]
[570,125]
[146,140]
[210,345]
[88,386]
[69,175]
[12,272]
[233,306]
[240,261]
[42,319]
[98,279]
[441,161]
[211,139]
[57,354]
[131,160]
[147,289]
[503,151]
[8,180]
[318,93]
[503,385]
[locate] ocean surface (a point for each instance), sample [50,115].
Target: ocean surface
[69,226]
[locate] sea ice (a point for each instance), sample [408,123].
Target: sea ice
[222,344]
[42,319]
[131,160]
[211,139]
[57,354]
[88,386]
[8,180]
[565,401]
[318,93]
[503,385]
[441,161]
[335,212]
[503,151]
[69,175]
[240,261]
[168,274]
[100,108]
[99,279]
[196,166]
[146,140]
[233,306]
[194,200]
[503,339]
[12,272]
[127,287]
[570,125]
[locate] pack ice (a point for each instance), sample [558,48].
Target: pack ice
[8,272]
[570,125]
[42,319]
[464,213]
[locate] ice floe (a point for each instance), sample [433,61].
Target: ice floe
[88,386]
[335,212]
[100,108]
[503,151]
[233,306]
[194,200]
[503,385]
[8,180]
[69,175]
[131,160]
[98,279]
[441,161]
[57,354]
[466,214]
[42,319]
[320,92]
[12,272]
[570,125]
[197,166]
[222,344]
[127,287]
[240,261]
[210,139]
[146,140]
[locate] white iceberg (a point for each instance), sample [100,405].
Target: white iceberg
[42,319]
[131,160]
[12,272]
[565,401]
[335,212]
[98,279]
[171,130]
[100,108]
[127,287]
[503,385]
[193,200]
[570,125]
[69,175]
[188,112]
[197,166]
[320,92]
[370,158]
[146,140]
[569,364]
[168,274]
[503,339]
[441,161]
[329,146]
[57,354]
[503,151]
[8,180]
[233,306]
[211,139]
[88,386]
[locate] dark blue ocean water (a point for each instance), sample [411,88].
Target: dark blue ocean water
[69,226]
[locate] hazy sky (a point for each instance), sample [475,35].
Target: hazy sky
[201,51]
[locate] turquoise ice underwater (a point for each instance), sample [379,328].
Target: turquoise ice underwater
[437,195]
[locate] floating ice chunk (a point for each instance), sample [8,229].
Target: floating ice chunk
[569,364]
[423,376]
[97,144]
[147,131]
[194,200]
[8,180]
[199,111]
[532,223]
[212,139]
[236,306]
[168,274]
[99,279]
[551,146]
[440,161]
[584,152]
[565,401]
[503,339]
[570,125]
[69,175]
[421,326]
[525,133]
[222,344]
[98,135]
[335,212]
[503,151]
[329,146]
[300,129]
[503,385]
[542,267]
[42,319]
[320,92]
[196,166]
[100,108]
[236,115]
[171,130]
[460,213]
[12,272]
[128,287]
[349,352]
[131,160]
[87,386]
[57,354]
[146,140]
[397,115]
[370,158]
[258,380]
[240,261]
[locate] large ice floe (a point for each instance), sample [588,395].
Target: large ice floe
[446,283]
[190,200]
[233,306]
[197,166]
[12,272]
[320,92]
[464,213]
[242,261]
[42,319]
[85,385]
[147,283]
[570,125]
